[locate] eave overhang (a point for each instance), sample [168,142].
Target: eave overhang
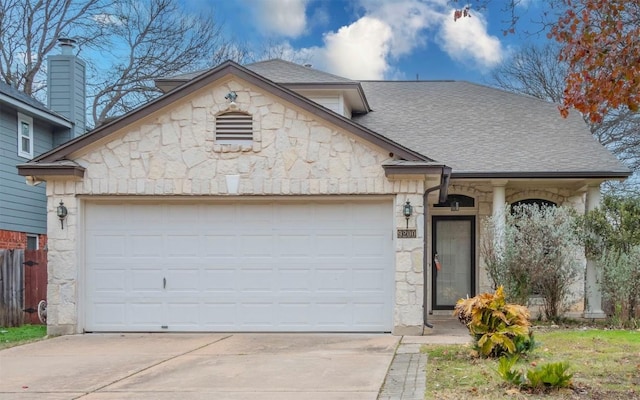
[51,169]
[543,175]
[35,112]
[401,167]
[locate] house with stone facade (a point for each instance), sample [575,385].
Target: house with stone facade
[275,197]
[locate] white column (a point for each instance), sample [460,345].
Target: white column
[499,200]
[593,295]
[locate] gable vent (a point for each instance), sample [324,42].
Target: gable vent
[233,127]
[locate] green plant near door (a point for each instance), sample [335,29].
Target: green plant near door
[497,327]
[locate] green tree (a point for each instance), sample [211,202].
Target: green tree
[611,235]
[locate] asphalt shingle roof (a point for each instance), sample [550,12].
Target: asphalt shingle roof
[16,94]
[284,72]
[280,71]
[477,129]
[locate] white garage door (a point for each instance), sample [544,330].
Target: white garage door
[277,266]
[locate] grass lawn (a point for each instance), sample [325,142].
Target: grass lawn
[605,364]
[10,337]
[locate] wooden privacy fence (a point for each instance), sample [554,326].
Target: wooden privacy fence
[23,284]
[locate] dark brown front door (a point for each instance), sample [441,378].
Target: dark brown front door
[454,249]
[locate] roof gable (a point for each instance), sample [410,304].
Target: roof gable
[226,69]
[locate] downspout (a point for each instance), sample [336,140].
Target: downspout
[443,187]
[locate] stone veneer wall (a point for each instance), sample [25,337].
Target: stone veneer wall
[174,153]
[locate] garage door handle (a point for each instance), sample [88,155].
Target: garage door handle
[164,283]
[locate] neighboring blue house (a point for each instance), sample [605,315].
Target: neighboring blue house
[28,128]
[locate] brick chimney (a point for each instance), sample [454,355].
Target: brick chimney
[66,90]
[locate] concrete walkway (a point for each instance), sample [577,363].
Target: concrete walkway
[198,366]
[406,379]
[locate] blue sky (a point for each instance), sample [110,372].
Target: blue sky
[380,39]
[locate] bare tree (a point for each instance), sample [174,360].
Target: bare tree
[536,71]
[29,31]
[126,45]
[152,39]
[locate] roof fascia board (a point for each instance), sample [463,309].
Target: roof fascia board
[50,170]
[542,175]
[390,170]
[35,111]
[229,68]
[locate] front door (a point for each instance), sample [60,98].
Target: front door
[453,266]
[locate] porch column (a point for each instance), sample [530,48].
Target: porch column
[499,200]
[593,295]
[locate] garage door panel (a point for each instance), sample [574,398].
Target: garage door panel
[367,245]
[182,245]
[109,280]
[368,280]
[184,315]
[261,266]
[332,245]
[256,280]
[294,245]
[256,245]
[110,313]
[148,314]
[183,280]
[367,314]
[220,245]
[333,280]
[295,280]
[331,315]
[219,314]
[106,245]
[255,315]
[146,280]
[146,245]
[108,216]
[219,280]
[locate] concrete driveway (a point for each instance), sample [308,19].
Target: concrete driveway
[198,366]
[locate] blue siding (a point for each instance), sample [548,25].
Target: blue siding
[23,208]
[66,90]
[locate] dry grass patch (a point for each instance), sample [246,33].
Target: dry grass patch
[605,364]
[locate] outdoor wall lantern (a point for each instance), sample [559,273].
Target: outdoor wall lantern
[231,96]
[407,210]
[455,205]
[62,213]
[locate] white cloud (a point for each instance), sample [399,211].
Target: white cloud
[359,51]
[281,17]
[467,40]
[388,30]
[408,19]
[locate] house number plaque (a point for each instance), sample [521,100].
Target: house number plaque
[406,234]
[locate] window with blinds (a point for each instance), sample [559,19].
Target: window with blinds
[233,128]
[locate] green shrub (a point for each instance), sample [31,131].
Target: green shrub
[497,327]
[542,378]
[549,376]
[532,250]
[507,371]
